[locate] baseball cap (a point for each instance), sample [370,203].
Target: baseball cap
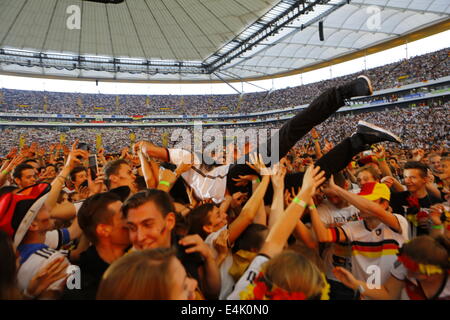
[374,191]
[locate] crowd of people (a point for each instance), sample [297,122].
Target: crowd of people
[419,127]
[415,69]
[344,206]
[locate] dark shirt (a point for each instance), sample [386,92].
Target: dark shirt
[92,268]
[190,261]
[401,205]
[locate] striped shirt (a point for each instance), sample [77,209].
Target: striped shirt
[377,247]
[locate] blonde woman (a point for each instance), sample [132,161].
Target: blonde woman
[155,274]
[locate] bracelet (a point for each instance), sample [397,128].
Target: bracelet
[313,206]
[5,172]
[300,202]
[258,180]
[315,140]
[437,227]
[381,159]
[166,183]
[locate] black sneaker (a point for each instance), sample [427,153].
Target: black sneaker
[361,86]
[374,134]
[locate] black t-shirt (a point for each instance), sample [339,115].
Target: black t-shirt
[190,261]
[92,268]
[401,205]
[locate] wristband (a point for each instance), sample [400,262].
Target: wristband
[258,180]
[166,183]
[315,140]
[313,206]
[300,202]
[5,172]
[437,227]
[381,159]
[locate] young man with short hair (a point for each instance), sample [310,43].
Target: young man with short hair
[119,174]
[100,217]
[24,175]
[411,203]
[151,219]
[375,239]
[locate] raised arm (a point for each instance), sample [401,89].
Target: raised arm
[393,183]
[261,216]
[249,210]
[152,150]
[277,207]
[150,180]
[380,154]
[168,177]
[9,167]
[284,226]
[317,149]
[323,233]
[368,206]
[58,183]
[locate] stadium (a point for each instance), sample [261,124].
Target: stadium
[224,149]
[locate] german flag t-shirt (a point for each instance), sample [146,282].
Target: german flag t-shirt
[374,251]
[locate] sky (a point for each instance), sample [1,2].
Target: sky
[426,45]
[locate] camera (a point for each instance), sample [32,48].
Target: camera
[93,166]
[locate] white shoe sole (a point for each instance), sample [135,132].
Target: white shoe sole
[368,82]
[374,127]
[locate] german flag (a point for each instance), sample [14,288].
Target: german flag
[375,249]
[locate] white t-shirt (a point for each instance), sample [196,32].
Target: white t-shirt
[206,185]
[227,281]
[412,289]
[249,275]
[374,250]
[336,254]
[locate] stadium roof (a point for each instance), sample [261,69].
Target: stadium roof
[203,40]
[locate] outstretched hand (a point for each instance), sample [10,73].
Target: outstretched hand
[345,277]
[55,270]
[312,178]
[257,164]
[278,177]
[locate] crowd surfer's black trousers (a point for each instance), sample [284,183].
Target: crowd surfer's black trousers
[292,131]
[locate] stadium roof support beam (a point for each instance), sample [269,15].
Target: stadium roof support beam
[235,76]
[226,82]
[285,12]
